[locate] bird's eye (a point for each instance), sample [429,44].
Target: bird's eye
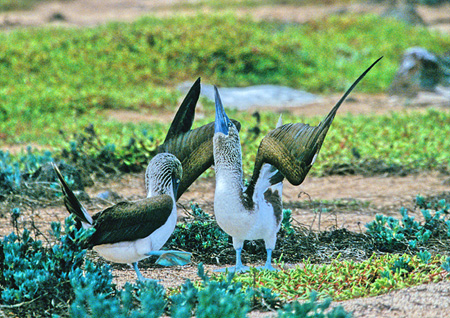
[177,181]
[229,124]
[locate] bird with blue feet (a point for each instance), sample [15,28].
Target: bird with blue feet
[288,151]
[131,231]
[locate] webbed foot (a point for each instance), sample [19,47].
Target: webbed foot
[172,258]
[233,269]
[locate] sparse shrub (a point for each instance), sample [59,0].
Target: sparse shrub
[43,277]
[312,308]
[143,300]
[89,152]
[392,234]
[15,171]
[12,169]
[202,236]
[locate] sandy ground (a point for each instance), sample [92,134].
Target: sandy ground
[384,194]
[94,12]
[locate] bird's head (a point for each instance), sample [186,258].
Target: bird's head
[163,175]
[222,123]
[226,140]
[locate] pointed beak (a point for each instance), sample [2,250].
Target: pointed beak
[222,120]
[175,185]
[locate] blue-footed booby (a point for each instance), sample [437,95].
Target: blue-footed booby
[194,148]
[288,151]
[131,231]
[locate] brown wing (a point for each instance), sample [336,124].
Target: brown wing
[291,148]
[184,117]
[129,221]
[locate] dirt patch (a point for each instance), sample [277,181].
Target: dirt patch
[371,195]
[429,300]
[94,12]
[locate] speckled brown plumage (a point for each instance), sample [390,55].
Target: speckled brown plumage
[274,198]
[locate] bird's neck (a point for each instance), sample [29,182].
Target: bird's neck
[228,168]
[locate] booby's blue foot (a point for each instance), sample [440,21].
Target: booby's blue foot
[139,275]
[239,268]
[233,269]
[268,265]
[171,258]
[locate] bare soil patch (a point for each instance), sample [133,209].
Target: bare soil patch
[94,12]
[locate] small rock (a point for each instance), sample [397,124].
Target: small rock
[242,98]
[108,195]
[57,16]
[419,70]
[81,195]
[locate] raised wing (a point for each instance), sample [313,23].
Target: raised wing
[184,118]
[194,148]
[293,148]
[129,221]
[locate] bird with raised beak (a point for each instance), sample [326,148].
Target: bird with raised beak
[255,212]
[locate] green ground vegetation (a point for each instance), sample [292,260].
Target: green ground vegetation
[72,284]
[53,78]
[346,279]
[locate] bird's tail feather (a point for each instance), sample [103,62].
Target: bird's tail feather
[70,200]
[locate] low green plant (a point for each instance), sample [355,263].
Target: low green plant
[313,308]
[10,5]
[424,256]
[347,279]
[446,265]
[286,222]
[202,236]
[207,298]
[72,75]
[144,299]
[392,234]
[35,276]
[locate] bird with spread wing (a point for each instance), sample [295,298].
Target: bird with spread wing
[288,151]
